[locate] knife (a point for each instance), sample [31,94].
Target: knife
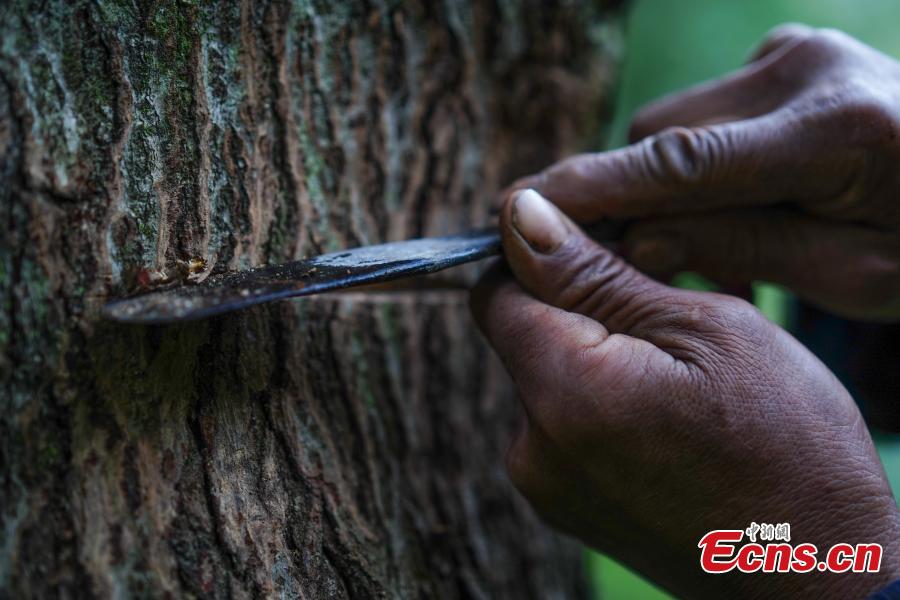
[358,266]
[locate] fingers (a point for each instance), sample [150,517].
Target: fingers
[748,92]
[755,137]
[781,38]
[741,95]
[581,319]
[538,343]
[838,267]
[557,263]
[732,248]
[554,355]
[758,161]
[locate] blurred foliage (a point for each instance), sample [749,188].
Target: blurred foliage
[675,44]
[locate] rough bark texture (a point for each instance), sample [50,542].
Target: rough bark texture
[339,446]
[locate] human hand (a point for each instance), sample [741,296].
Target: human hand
[787,170]
[655,415]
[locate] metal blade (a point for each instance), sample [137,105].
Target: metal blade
[358,266]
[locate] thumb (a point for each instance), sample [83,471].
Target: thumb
[558,264]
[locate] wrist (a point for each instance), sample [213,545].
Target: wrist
[877,522]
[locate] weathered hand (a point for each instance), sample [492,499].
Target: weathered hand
[655,415]
[787,170]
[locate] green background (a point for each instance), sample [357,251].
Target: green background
[674,43]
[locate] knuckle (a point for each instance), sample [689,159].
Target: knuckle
[829,38]
[804,55]
[587,274]
[781,36]
[593,284]
[821,44]
[685,157]
[571,183]
[731,310]
[787,32]
[867,118]
[584,359]
[728,321]
[572,172]
[821,40]
[610,364]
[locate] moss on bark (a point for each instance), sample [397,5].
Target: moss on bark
[333,447]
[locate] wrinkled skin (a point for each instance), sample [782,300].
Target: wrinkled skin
[653,414]
[787,171]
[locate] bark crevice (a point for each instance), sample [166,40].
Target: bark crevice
[342,446]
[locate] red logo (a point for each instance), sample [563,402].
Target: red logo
[721,552]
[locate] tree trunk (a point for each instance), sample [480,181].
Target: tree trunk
[341,446]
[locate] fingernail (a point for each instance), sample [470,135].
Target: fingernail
[538,222]
[657,254]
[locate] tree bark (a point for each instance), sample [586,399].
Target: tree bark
[340,446]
